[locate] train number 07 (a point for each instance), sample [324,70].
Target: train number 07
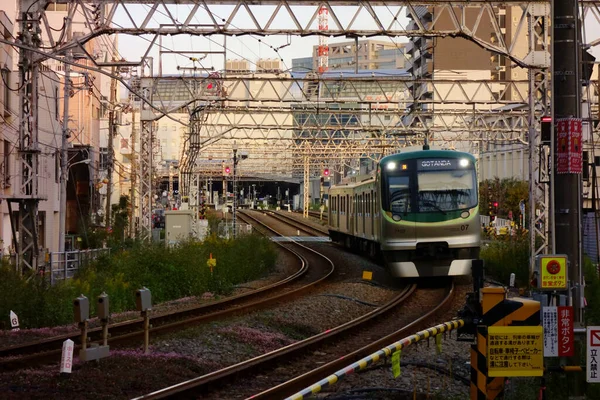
[464,227]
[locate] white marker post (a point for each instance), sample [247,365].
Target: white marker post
[14,321]
[66,361]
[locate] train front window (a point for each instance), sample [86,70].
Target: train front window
[399,194]
[446,190]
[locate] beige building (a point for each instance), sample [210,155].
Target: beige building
[48,125]
[372,54]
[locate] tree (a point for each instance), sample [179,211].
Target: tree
[506,193]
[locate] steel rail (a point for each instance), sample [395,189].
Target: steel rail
[297,224]
[303,381]
[187,387]
[160,323]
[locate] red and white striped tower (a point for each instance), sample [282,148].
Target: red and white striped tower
[323,52]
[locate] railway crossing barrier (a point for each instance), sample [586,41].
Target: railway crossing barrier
[507,333]
[382,354]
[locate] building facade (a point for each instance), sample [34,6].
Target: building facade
[371,55]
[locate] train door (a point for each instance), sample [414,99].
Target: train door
[348,208]
[372,213]
[363,211]
[337,211]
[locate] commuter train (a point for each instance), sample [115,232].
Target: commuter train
[420,212]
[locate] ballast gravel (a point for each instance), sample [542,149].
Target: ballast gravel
[205,348]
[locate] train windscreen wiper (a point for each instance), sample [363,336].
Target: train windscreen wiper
[431,204]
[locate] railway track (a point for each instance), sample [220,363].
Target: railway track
[302,363]
[124,333]
[309,229]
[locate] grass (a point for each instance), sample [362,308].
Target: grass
[170,273]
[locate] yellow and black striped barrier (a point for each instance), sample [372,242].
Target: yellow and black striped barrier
[497,311]
[373,358]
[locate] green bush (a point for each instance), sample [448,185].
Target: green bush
[170,273]
[505,256]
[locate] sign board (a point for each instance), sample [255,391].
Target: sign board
[552,272]
[569,151]
[566,342]
[593,354]
[66,361]
[14,321]
[515,351]
[550,325]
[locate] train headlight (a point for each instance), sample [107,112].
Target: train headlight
[463,162]
[396,217]
[391,165]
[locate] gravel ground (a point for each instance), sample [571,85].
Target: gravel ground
[204,348]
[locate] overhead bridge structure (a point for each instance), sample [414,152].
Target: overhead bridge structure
[292,123]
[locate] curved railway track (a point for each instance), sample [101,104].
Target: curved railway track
[124,333]
[304,362]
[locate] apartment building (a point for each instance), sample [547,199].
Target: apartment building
[49,123]
[450,59]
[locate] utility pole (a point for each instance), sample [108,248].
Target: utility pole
[567,189]
[63,157]
[235,149]
[111,134]
[567,186]
[133,174]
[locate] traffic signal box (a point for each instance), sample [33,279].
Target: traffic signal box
[509,340]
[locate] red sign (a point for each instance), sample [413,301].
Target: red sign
[569,153]
[565,331]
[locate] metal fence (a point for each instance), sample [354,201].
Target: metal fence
[225,229]
[64,265]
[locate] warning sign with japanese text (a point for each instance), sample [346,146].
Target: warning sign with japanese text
[593,353]
[550,325]
[565,331]
[515,351]
[569,148]
[553,272]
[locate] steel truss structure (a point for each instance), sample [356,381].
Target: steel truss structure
[288,116]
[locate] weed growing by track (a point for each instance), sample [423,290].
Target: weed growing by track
[170,273]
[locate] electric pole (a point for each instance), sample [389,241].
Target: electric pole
[567,187]
[63,159]
[110,151]
[133,174]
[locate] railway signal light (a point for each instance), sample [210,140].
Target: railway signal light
[326,172]
[495,204]
[546,128]
[227,170]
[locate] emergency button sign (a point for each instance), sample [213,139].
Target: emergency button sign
[553,272]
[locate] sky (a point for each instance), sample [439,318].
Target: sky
[254,47]
[246,47]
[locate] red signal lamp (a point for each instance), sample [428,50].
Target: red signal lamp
[326,172]
[227,170]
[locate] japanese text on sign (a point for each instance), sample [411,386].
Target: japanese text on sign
[569,146]
[550,325]
[553,272]
[515,351]
[593,353]
[565,331]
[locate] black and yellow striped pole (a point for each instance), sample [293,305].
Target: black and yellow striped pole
[496,310]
